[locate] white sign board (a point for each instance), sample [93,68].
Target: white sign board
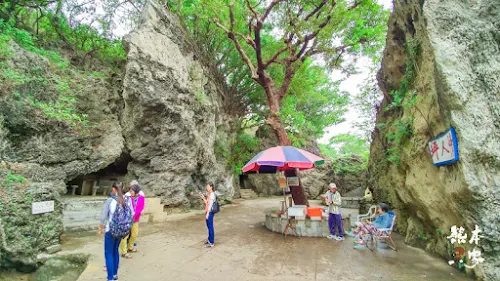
[444,149]
[42,207]
[293,181]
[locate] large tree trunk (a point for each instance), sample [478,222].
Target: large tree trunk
[274,118]
[274,121]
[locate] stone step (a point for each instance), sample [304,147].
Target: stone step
[248,193]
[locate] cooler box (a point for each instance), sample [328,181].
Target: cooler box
[296,211]
[314,211]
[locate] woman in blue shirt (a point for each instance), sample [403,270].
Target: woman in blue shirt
[383,220]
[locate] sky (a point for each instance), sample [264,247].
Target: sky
[351,85]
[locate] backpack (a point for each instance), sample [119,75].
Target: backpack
[215,205]
[121,222]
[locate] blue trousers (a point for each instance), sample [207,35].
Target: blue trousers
[210,226]
[335,219]
[111,254]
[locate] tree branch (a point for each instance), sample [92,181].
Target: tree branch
[316,10]
[269,9]
[289,73]
[231,35]
[274,58]
[252,10]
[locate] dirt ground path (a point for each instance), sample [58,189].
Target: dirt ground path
[246,250]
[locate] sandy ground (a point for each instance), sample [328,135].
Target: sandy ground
[246,250]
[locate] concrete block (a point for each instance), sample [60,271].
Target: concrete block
[145,218]
[53,249]
[152,201]
[159,217]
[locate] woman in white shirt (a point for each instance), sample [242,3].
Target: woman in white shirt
[111,244]
[209,216]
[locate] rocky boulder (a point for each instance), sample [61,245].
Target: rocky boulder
[22,234]
[42,147]
[174,111]
[457,83]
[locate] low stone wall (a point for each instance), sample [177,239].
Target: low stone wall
[351,202]
[83,213]
[305,226]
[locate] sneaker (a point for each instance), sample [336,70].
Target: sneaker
[331,237]
[359,247]
[340,238]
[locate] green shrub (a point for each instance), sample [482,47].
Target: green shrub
[244,148]
[400,130]
[12,179]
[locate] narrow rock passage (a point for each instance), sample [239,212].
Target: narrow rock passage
[246,250]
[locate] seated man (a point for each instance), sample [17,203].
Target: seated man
[383,220]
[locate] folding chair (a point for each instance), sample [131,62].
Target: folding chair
[372,238]
[372,212]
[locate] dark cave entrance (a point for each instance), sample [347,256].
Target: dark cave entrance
[100,182]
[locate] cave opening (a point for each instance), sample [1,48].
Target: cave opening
[100,182]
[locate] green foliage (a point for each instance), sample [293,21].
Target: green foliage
[397,132]
[314,102]
[43,23]
[201,97]
[244,148]
[400,130]
[52,90]
[349,153]
[24,39]
[12,179]
[412,48]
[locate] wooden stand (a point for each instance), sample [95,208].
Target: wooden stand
[298,195]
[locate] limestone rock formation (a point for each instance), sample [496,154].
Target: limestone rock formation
[173,111]
[162,127]
[457,82]
[39,155]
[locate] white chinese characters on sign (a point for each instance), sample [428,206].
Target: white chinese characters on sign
[42,207]
[443,149]
[475,258]
[458,236]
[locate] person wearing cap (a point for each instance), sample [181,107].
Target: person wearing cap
[334,201]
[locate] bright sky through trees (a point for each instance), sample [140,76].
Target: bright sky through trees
[351,85]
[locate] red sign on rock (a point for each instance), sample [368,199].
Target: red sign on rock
[444,149]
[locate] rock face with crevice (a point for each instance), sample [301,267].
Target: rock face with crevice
[38,155]
[174,111]
[457,83]
[163,117]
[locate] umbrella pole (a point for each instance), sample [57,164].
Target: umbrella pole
[284,198]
